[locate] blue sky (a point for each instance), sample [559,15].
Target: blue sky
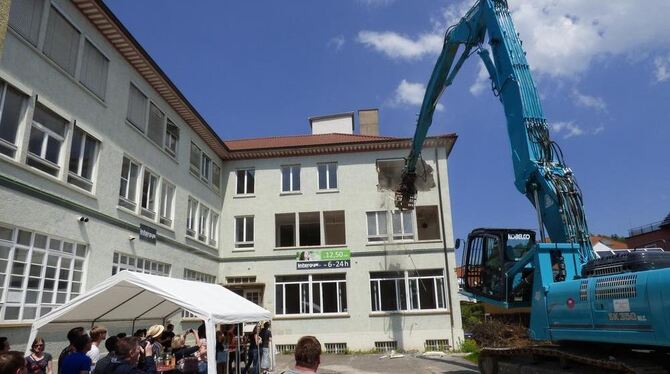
[260,68]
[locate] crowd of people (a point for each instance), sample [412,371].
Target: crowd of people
[141,352]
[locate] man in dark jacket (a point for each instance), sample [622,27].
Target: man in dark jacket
[128,352]
[103,363]
[72,335]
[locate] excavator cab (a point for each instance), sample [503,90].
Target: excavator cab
[488,254]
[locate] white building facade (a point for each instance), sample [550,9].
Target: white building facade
[105,166]
[317,196]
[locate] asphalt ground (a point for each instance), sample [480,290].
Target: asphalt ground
[375,364]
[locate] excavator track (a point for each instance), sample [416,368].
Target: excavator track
[556,359]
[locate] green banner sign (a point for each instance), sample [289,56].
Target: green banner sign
[323,259]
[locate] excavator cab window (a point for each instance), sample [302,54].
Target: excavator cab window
[488,255]
[484,264]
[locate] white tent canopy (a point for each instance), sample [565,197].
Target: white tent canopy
[130,296]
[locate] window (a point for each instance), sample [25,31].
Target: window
[290,178]
[197,276]
[205,168]
[216,176]
[333,227]
[377,226]
[427,222]
[82,159]
[25,17]
[191,217]
[244,232]
[285,230]
[123,261]
[128,188]
[213,228]
[202,225]
[149,184]
[11,109]
[309,231]
[156,127]
[171,138]
[327,176]
[37,273]
[407,290]
[403,228]
[167,203]
[62,41]
[402,225]
[196,154]
[245,181]
[137,107]
[93,74]
[311,294]
[46,138]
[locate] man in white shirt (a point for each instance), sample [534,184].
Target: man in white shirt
[98,335]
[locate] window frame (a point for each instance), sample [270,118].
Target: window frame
[46,135]
[406,302]
[104,55]
[192,217]
[167,199]
[291,173]
[55,252]
[205,168]
[203,222]
[244,243]
[306,287]
[328,186]
[213,228]
[147,211]
[94,162]
[195,169]
[403,236]
[125,197]
[169,136]
[4,143]
[139,264]
[246,188]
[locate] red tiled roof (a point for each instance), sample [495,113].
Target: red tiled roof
[612,243]
[306,145]
[302,141]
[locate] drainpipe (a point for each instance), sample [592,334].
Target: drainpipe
[447,289]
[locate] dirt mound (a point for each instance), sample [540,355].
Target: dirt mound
[496,334]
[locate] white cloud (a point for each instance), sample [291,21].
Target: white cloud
[587,101]
[336,42]
[482,82]
[399,46]
[567,129]
[662,71]
[408,93]
[561,38]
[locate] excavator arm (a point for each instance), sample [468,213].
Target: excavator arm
[540,172]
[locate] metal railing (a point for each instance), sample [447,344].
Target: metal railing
[645,229]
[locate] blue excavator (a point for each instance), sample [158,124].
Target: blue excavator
[587,314]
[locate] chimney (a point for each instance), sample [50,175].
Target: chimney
[368,122]
[342,123]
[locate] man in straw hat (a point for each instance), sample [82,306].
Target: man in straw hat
[153,336]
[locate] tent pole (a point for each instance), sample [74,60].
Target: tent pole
[237,350]
[211,345]
[117,306]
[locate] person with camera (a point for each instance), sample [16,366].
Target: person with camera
[128,355]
